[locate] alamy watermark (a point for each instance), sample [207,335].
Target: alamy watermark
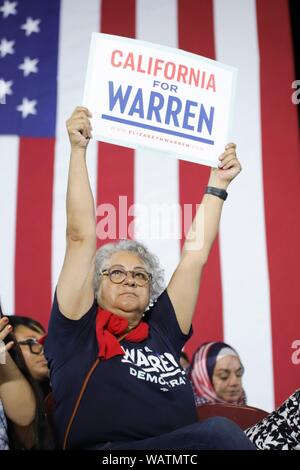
[296,354]
[152,222]
[296,95]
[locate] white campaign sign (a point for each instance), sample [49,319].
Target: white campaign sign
[160,98]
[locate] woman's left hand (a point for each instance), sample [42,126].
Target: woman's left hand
[229,167]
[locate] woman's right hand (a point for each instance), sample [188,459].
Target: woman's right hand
[5,329]
[79,127]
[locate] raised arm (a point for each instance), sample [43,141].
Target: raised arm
[184,285]
[75,286]
[16,394]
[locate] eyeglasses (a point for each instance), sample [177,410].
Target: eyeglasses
[33,344]
[118,275]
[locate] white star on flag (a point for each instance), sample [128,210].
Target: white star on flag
[29,66]
[8,8]
[31,26]
[5,89]
[6,47]
[27,107]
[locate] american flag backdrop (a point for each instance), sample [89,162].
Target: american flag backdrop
[249,294]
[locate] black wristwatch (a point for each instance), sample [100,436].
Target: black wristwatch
[221,193]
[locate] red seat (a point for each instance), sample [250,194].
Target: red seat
[243,416]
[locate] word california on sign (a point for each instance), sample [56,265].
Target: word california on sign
[156,97]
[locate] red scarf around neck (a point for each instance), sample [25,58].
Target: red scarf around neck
[109,327]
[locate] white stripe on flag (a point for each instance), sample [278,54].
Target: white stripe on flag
[9,163]
[246,305]
[76,26]
[156,176]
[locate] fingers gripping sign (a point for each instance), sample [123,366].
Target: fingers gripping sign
[79,127]
[229,166]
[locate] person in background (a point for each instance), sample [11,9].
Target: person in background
[18,401]
[216,375]
[29,334]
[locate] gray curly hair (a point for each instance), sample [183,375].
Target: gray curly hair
[157,283]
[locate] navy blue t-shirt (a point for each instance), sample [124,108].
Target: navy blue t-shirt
[142,394]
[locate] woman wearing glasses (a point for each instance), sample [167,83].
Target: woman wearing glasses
[23,385]
[28,333]
[26,354]
[115,333]
[17,400]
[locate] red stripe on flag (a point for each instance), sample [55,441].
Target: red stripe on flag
[118,17]
[33,229]
[281,179]
[116,164]
[196,34]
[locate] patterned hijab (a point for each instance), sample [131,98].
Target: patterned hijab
[201,372]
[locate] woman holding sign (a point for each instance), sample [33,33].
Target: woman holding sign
[116,334]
